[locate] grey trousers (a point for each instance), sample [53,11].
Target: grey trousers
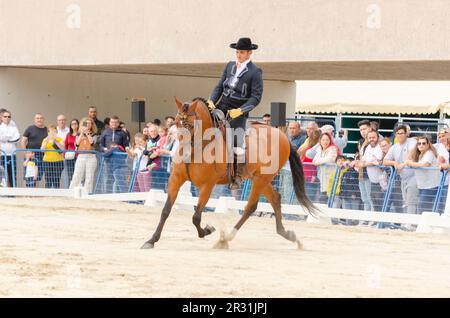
[410,194]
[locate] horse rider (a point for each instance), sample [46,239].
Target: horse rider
[237,93]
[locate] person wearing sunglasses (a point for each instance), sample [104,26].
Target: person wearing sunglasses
[9,136]
[421,159]
[396,157]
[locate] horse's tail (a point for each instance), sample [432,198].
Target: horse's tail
[299,182]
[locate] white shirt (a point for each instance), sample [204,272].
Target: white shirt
[140,158]
[443,152]
[239,70]
[9,135]
[30,169]
[428,178]
[62,133]
[371,154]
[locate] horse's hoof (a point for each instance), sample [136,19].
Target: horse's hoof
[290,235]
[299,245]
[222,243]
[147,245]
[209,229]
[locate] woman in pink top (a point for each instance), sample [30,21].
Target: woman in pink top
[163,137]
[69,143]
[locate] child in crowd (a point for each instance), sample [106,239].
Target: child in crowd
[153,146]
[143,178]
[31,170]
[340,167]
[163,137]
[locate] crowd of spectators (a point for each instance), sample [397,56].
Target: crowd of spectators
[363,177]
[72,150]
[362,182]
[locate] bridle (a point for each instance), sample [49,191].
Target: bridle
[184,115]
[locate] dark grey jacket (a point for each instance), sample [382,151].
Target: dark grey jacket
[247,92]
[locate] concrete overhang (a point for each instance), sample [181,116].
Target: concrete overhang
[286,71]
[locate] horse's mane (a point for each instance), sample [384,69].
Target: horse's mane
[200,99]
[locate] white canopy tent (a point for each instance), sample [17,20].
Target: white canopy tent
[382,97]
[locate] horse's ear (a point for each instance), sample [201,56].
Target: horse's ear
[179,104]
[194,103]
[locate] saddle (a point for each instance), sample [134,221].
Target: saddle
[220,121]
[223,125]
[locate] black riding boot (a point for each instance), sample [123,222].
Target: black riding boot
[237,180]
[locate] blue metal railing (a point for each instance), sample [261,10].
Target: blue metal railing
[160,178]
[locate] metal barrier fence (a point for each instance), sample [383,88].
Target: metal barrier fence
[116,173]
[338,187]
[424,199]
[391,193]
[3,169]
[283,183]
[36,168]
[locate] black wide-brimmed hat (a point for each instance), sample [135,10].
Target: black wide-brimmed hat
[244,44]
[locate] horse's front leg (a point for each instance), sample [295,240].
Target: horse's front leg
[174,185]
[204,194]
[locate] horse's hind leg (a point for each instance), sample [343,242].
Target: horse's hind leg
[251,206]
[274,199]
[205,193]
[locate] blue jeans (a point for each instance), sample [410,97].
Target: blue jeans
[350,204]
[70,168]
[30,182]
[53,172]
[120,184]
[365,187]
[7,163]
[426,199]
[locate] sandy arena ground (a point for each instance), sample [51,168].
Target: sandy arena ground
[64,247]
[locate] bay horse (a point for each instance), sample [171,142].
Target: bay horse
[205,175]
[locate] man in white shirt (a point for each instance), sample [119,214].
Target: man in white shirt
[9,136]
[2,110]
[371,159]
[441,146]
[62,128]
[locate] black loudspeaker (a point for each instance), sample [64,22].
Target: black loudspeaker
[278,114]
[138,111]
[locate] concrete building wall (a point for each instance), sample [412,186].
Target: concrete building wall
[27,91]
[80,32]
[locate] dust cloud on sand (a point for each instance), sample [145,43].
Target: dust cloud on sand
[75,248]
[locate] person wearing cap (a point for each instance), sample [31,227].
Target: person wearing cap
[238,92]
[340,140]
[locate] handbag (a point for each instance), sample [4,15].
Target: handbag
[69,155]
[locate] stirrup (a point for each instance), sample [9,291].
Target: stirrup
[236,184]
